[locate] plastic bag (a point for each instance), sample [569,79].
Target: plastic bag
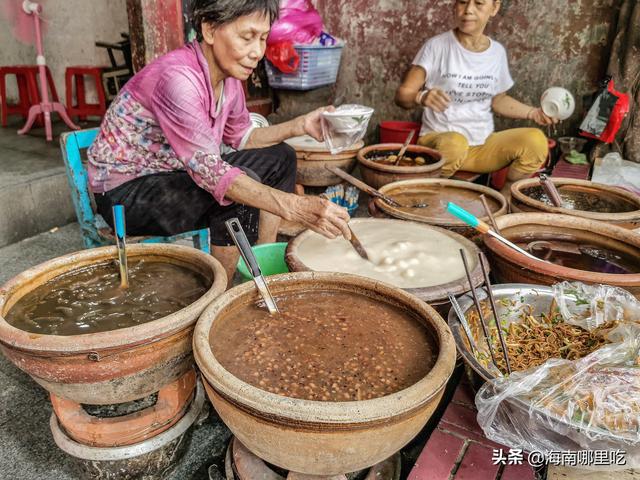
[605,116]
[299,22]
[589,306]
[283,56]
[345,126]
[614,170]
[587,404]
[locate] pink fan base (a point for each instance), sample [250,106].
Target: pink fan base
[45,106]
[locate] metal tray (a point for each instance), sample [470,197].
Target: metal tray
[540,298]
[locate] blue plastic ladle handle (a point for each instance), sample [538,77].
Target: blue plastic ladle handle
[118,219]
[463,215]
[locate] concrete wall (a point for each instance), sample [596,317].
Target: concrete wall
[549,42]
[72,28]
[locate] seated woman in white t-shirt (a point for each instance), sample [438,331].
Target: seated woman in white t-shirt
[460,77]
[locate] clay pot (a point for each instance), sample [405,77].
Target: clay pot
[323,438]
[314,158]
[438,216]
[509,266]
[521,202]
[437,295]
[377,174]
[116,366]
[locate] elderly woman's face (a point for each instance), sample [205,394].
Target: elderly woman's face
[238,46]
[472,16]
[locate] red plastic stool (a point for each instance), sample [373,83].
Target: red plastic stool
[82,109]
[28,90]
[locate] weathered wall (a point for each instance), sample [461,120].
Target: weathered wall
[72,28]
[549,42]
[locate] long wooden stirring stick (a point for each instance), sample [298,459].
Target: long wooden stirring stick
[489,213]
[476,301]
[492,302]
[405,145]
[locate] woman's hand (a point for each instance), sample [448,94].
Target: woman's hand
[538,116]
[310,123]
[436,99]
[318,214]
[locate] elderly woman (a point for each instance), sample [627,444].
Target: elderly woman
[459,77]
[158,150]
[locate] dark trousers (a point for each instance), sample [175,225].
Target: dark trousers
[169,203]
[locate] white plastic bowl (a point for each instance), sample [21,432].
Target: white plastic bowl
[348,118]
[557,102]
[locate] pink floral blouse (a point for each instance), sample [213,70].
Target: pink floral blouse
[166,118]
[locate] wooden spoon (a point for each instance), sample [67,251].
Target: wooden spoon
[403,150]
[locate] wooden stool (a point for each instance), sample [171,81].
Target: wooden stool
[28,91]
[82,109]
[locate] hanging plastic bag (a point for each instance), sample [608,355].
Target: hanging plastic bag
[299,22]
[605,116]
[283,56]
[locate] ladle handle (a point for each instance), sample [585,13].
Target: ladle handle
[240,239]
[118,221]
[362,186]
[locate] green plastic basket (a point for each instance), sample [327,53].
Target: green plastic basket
[270,257]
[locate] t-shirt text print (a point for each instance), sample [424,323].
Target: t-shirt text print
[470,79]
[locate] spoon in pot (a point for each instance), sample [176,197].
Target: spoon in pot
[370,190]
[403,150]
[120,228]
[241,241]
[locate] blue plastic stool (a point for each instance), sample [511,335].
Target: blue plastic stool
[95,230]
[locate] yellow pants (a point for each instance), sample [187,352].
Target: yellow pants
[524,149]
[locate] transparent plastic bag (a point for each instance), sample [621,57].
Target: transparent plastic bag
[345,126]
[589,306]
[587,404]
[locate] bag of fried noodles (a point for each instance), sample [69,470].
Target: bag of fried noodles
[588,404]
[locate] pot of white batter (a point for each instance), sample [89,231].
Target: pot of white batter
[419,258]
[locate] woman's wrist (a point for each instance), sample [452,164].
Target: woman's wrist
[531,112]
[420,96]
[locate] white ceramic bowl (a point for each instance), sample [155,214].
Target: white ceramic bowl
[557,102]
[348,118]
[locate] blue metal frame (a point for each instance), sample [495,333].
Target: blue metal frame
[71,143]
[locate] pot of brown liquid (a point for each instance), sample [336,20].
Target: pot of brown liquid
[345,376]
[581,198]
[436,193]
[377,167]
[69,325]
[576,249]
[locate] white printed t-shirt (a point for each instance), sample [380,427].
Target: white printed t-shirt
[471,79]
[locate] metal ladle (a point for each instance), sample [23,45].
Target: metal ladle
[240,239]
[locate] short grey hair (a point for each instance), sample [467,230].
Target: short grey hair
[224,11]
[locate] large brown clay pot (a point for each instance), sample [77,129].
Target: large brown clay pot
[314,158]
[627,213]
[438,194]
[509,266]
[377,174]
[323,438]
[437,295]
[115,366]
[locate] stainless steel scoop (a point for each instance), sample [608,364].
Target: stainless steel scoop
[240,239]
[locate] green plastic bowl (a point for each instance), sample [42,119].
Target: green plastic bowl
[270,257]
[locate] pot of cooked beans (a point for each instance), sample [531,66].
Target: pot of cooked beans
[344,376]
